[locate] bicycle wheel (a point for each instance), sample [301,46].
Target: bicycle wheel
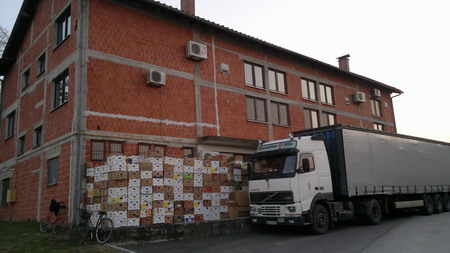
[103,230]
[58,225]
[80,233]
[44,225]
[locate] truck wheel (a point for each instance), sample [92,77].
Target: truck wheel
[375,213]
[428,206]
[319,220]
[445,202]
[437,200]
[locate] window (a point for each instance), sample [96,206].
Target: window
[63,26]
[253,75]
[61,91]
[326,94]
[311,119]
[277,81]
[37,136]
[378,126]
[376,108]
[10,124]
[307,159]
[52,177]
[309,89]
[5,188]
[256,109]
[115,148]
[328,119]
[26,78]
[98,151]
[41,64]
[280,114]
[143,149]
[188,152]
[21,145]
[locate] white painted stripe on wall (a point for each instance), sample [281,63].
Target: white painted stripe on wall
[145,119]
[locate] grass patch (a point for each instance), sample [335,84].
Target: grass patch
[25,237]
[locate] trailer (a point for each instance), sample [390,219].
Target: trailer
[319,176]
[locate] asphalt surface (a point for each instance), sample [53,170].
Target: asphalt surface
[400,233]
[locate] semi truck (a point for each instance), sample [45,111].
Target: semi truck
[320,176]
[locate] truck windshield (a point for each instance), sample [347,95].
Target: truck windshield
[274,166]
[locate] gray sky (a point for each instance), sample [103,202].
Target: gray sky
[403,43]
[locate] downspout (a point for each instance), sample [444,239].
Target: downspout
[393,113]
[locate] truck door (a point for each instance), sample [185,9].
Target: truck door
[308,180]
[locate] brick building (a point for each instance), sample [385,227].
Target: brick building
[86,78]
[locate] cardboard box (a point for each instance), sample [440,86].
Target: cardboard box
[189,162]
[189,210]
[134,214]
[145,166]
[158,182]
[117,175]
[207,177]
[243,211]
[118,207]
[178,218]
[169,167]
[224,202]
[188,182]
[198,217]
[188,189]
[207,203]
[198,196]
[224,215]
[146,182]
[134,175]
[103,184]
[206,163]
[188,204]
[168,189]
[168,219]
[156,153]
[178,204]
[178,211]
[215,189]
[224,163]
[146,221]
[168,174]
[198,190]
[158,174]
[118,183]
[241,197]
[207,183]
[233,212]
[158,204]
[168,196]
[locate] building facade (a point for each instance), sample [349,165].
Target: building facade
[88,78]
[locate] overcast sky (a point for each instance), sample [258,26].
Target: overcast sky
[405,44]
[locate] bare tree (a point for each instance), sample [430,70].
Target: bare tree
[3,38]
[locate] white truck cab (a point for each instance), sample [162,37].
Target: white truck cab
[286,178]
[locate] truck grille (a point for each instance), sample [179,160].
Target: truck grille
[271,211]
[285,197]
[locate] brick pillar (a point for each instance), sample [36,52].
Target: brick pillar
[188,6]
[344,62]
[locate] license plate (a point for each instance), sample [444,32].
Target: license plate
[271,222]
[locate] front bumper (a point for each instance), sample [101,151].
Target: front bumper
[296,221]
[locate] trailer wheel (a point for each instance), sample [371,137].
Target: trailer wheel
[375,213]
[428,206]
[445,202]
[437,200]
[319,220]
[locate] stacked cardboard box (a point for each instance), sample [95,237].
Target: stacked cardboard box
[139,191]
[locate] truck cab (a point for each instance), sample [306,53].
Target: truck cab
[287,178]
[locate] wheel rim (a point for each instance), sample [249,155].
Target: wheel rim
[321,219]
[44,226]
[104,230]
[80,234]
[57,226]
[375,212]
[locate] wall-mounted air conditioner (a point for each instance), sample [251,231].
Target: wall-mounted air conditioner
[359,97]
[196,51]
[206,154]
[376,93]
[156,78]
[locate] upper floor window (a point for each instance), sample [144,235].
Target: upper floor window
[277,81]
[328,119]
[256,109]
[41,64]
[52,174]
[10,119]
[309,89]
[61,89]
[26,78]
[253,75]
[311,119]
[376,107]
[37,136]
[326,94]
[378,126]
[63,26]
[21,145]
[97,150]
[188,152]
[280,113]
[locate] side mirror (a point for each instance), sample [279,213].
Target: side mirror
[305,165]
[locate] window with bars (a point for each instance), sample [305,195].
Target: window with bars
[309,89]
[97,150]
[326,94]
[277,81]
[254,75]
[376,107]
[256,109]
[143,149]
[280,113]
[311,118]
[115,147]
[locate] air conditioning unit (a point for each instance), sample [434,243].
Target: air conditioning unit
[376,93]
[156,78]
[359,97]
[206,154]
[196,51]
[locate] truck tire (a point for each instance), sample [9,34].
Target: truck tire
[375,213]
[437,200]
[320,220]
[428,205]
[445,202]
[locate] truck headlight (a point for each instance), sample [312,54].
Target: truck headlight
[291,209]
[253,209]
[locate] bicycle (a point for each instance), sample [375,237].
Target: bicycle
[54,219]
[103,228]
